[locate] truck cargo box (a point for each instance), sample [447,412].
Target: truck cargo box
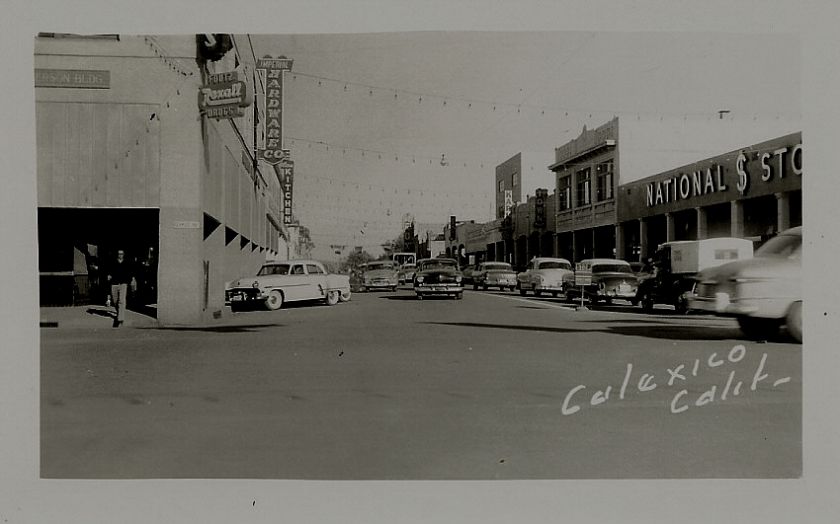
[692,256]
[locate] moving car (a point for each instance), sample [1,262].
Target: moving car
[494,274]
[438,276]
[468,273]
[381,274]
[675,265]
[406,273]
[763,292]
[545,275]
[611,280]
[288,281]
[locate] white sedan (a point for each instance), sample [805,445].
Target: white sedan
[545,275]
[288,281]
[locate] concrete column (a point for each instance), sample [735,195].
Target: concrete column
[702,226]
[783,211]
[736,218]
[619,241]
[669,227]
[643,239]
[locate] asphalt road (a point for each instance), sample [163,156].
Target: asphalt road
[493,386]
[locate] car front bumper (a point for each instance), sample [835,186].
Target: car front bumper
[438,289]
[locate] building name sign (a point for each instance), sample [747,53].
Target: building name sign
[72,78]
[271,70]
[774,164]
[224,96]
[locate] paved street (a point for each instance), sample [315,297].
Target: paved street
[389,387]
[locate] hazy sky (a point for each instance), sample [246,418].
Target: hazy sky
[368,116]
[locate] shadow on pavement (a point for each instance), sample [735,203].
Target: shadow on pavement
[400,297]
[107,313]
[244,328]
[658,331]
[508,326]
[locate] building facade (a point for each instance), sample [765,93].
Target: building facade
[753,192]
[128,161]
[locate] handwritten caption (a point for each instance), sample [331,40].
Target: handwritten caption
[677,376]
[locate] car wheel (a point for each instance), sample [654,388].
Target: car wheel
[236,307]
[419,296]
[484,287]
[475,287]
[512,288]
[274,300]
[459,296]
[333,297]
[634,302]
[758,328]
[522,292]
[681,305]
[794,321]
[647,303]
[537,293]
[362,289]
[394,288]
[554,294]
[345,296]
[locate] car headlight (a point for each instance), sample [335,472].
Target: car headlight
[255,285]
[458,279]
[420,280]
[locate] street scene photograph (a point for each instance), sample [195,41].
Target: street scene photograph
[419,255]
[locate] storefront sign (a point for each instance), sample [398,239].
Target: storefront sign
[271,71]
[287,177]
[750,168]
[72,78]
[224,96]
[508,201]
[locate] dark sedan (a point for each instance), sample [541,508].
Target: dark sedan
[438,276]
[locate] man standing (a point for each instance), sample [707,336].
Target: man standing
[119,275]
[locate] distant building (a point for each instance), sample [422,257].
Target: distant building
[519,177]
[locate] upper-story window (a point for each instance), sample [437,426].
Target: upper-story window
[564,192]
[501,186]
[605,187]
[584,185]
[514,180]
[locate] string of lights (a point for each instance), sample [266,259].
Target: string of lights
[397,94]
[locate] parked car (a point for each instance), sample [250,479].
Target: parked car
[494,274]
[438,276]
[762,293]
[468,273]
[675,265]
[406,273]
[611,280]
[545,275]
[288,281]
[381,274]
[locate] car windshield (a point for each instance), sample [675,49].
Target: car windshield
[611,268]
[554,264]
[373,266]
[500,265]
[438,264]
[782,246]
[274,269]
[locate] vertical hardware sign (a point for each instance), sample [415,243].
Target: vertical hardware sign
[271,72]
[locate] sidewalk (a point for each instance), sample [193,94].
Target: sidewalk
[90,317]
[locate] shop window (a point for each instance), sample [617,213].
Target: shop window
[584,187]
[604,189]
[564,193]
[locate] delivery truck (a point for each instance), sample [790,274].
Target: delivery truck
[674,266]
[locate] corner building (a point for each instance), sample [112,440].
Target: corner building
[125,160]
[753,192]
